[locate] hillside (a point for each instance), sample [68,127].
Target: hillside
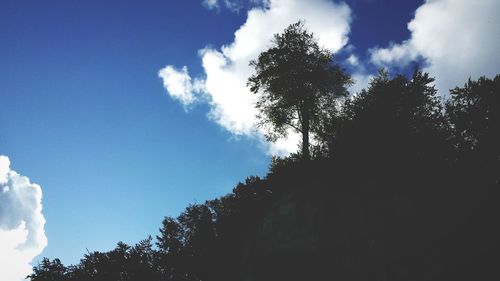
[339,232]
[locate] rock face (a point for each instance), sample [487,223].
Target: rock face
[346,235]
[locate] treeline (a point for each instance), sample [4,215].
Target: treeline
[406,183]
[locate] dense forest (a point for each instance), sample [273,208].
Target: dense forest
[399,183]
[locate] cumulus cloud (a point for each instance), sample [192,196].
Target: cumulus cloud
[22,235]
[179,84]
[227,68]
[457,38]
[396,53]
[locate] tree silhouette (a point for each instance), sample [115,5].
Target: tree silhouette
[474,113]
[49,271]
[297,83]
[398,119]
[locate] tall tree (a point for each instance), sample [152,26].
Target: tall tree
[297,83]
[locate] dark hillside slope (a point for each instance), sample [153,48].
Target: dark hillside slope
[349,229]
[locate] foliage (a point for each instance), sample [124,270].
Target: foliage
[474,113]
[297,83]
[48,270]
[403,119]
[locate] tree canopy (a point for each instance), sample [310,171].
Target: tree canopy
[297,83]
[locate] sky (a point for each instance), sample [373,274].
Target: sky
[114,114]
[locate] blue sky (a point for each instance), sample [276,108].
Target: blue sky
[84,113]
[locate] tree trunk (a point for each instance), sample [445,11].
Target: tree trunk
[305,137]
[305,123]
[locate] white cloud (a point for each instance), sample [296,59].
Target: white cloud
[458,39]
[396,53]
[179,85]
[231,101]
[233,5]
[360,76]
[227,69]
[22,235]
[211,4]
[361,81]
[353,60]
